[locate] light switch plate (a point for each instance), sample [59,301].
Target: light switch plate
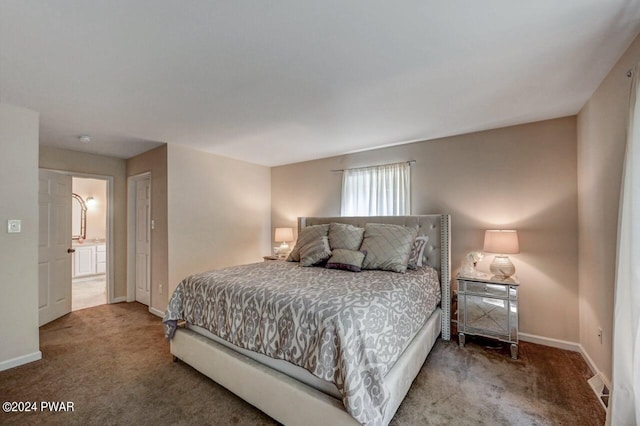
[13,226]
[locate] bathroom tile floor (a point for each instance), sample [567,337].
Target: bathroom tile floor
[87,293]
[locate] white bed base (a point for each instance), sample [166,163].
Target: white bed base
[286,399]
[292,402]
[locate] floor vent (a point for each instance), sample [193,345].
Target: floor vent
[600,389]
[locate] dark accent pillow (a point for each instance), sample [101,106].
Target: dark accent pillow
[388,246]
[417,252]
[343,236]
[348,260]
[307,234]
[315,252]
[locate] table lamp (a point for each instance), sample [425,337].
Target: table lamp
[283,235]
[501,242]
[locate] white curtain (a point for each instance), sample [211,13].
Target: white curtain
[625,396]
[377,191]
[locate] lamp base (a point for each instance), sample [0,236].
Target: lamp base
[284,247]
[502,267]
[283,250]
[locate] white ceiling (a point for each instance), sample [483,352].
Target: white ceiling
[275,82]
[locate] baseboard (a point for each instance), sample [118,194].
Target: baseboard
[24,359]
[570,346]
[548,341]
[119,299]
[156,312]
[594,368]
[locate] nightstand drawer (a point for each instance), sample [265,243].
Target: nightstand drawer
[485,289]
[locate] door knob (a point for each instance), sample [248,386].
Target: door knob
[71,250]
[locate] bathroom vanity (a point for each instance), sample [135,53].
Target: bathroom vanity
[89,259]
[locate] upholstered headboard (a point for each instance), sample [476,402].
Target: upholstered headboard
[436,254]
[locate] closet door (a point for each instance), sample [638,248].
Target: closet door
[143,241]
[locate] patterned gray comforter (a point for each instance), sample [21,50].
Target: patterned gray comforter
[344,327]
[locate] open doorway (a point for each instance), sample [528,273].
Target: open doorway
[61,257]
[89,235]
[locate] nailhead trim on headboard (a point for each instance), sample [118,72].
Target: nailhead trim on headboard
[445,274]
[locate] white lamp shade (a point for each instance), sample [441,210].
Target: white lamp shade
[284,234]
[501,241]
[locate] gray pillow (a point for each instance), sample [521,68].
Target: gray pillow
[307,235]
[348,260]
[388,246]
[315,251]
[343,236]
[417,252]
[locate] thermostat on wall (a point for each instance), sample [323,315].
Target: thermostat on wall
[13,226]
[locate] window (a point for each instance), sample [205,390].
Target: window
[377,191]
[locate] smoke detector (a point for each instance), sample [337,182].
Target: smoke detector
[85,138]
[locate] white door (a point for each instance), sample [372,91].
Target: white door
[54,246]
[143,241]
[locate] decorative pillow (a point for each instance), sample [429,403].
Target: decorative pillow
[307,235]
[349,260]
[417,251]
[343,236]
[315,252]
[388,246]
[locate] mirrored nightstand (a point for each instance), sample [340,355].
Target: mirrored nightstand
[488,307]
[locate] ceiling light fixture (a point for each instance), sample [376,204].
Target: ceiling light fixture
[85,138]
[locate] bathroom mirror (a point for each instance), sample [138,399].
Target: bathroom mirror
[79,217]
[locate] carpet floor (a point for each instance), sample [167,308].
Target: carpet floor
[113,363]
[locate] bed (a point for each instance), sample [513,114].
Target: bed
[322,366]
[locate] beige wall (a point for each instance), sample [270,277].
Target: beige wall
[96,216]
[19,338]
[80,162]
[155,161]
[219,211]
[602,125]
[521,177]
